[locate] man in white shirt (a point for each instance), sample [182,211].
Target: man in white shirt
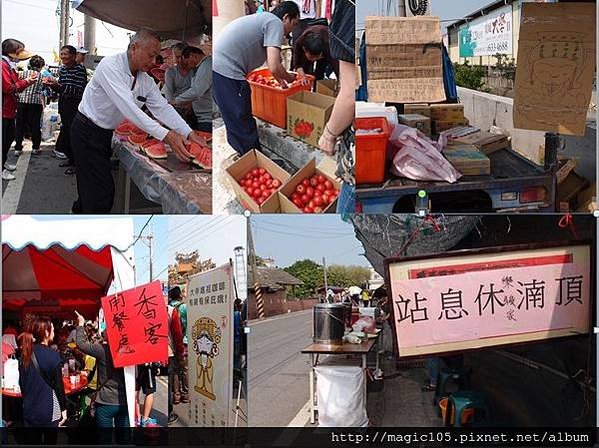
[119,89]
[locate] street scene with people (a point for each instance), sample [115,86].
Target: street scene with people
[443,321]
[284,85]
[117,122]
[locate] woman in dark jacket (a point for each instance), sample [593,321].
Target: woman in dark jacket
[40,376]
[111,397]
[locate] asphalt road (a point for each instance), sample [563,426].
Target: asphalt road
[277,371]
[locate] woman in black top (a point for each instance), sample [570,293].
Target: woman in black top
[40,376]
[338,135]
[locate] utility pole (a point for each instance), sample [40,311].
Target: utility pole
[89,34]
[257,287]
[326,284]
[149,241]
[65,19]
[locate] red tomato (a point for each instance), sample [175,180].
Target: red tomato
[260,200]
[311,204]
[318,210]
[276,183]
[321,188]
[335,192]
[328,192]
[306,182]
[301,189]
[317,193]
[266,194]
[255,185]
[305,199]
[328,185]
[267,176]
[249,190]
[257,192]
[297,203]
[314,181]
[262,187]
[318,200]
[326,199]
[269,183]
[308,210]
[321,179]
[242,182]
[295,196]
[261,171]
[255,172]
[310,192]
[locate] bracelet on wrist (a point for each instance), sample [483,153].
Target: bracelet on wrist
[326,128]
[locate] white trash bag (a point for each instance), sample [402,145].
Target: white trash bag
[341,392]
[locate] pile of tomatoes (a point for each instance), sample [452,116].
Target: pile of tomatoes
[259,185]
[270,81]
[314,194]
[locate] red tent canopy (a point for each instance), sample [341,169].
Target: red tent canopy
[54,279]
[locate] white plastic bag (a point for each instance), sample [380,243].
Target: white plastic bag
[419,158]
[50,122]
[365,324]
[11,374]
[341,392]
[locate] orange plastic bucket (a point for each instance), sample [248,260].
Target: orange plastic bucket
[371,150]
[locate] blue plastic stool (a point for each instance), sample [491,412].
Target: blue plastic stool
[458,376]
[467,399]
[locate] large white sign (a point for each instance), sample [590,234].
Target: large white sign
[210,340]
[487,35]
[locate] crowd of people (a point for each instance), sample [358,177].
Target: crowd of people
[320,47]
[176,91]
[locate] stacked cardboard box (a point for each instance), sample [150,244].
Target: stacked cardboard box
[421,109]
[307,114]
[487,142]
[468,160]
[447,116]
[417,121]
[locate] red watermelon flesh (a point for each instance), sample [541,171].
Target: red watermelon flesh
[154,149]
[138,139]
[126,127]
[207,136]
[203,159]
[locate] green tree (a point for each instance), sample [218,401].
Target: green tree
[346,276]
[470,76]
[309,272]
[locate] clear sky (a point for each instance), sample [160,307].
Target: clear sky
[288,238]
[449,10]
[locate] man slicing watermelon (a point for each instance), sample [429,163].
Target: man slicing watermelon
[118,90]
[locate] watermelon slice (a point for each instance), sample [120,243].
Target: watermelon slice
[137,139]
[128,128]
[154,149]
[207,136]
[203,160]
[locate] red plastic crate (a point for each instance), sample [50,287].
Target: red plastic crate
[371,150]
[270,103]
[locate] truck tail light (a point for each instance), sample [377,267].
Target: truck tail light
[533,194]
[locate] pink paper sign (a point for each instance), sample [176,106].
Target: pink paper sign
[489,303]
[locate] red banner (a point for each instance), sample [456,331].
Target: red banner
[137,325]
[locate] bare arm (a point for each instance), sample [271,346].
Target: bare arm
[343,112]
[273,60]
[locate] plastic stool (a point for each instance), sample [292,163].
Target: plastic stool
[466,399]
[444,376]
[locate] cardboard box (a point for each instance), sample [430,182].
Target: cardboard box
[487,142]
[308,170]
[417,121]
[249,161]
[447,112]
[307,114]
[329,87]
[468,160]
[404,59]
[440,126]
[422,109]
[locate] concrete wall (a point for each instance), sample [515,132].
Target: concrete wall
[276,303]
[485,110]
